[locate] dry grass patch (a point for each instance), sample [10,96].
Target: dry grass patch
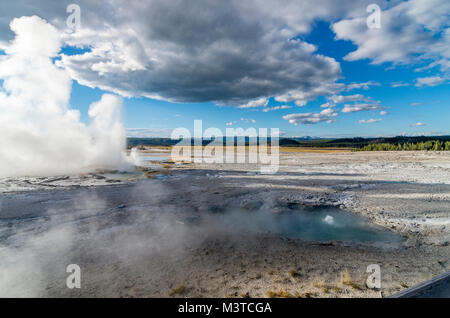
[346,279]
[293,273]
[305,295]
[278,294]
[336,289]
[177,291]
[322,285]
[283,293]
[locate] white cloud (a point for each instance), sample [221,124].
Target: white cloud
[417,124]
[429,81]
[416,104]
[411,32]
[327,115]
[40,134]
[302,98]
[337,99]
[361,106]
[382,113]
[369,121]
[328,105]
[399,84]
[316,89]
[255,103]
[268,109]
[364,85]
[248,120]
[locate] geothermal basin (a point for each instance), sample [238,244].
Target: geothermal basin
[229,231]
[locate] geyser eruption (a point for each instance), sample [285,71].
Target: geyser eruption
[39,133]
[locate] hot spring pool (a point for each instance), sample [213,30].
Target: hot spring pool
[319,224]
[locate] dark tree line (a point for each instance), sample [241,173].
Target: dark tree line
[433,145]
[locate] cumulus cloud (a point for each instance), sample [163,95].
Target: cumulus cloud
[411,32]
[361,106]
[369,121]
[327,115]
[429,81]
[40,134]
[235,53]
[417,124]
[232,53]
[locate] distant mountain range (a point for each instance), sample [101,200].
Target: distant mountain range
[307,141]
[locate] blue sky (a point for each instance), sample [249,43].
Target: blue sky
[309,69]
[405,105]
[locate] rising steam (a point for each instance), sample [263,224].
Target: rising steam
[40,134]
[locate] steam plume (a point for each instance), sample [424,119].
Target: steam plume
[40,134]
